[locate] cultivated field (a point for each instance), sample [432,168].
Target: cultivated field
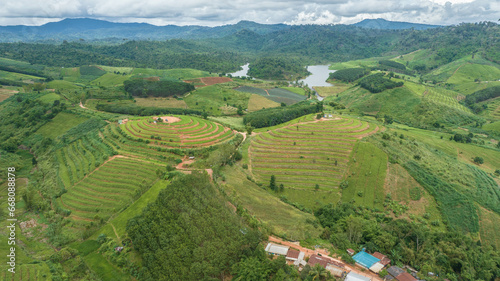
[60,124]
[188,132]
[307,154]
[258,102]
[108,189]
[489,228]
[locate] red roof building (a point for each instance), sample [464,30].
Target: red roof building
[384,260]
[405,276]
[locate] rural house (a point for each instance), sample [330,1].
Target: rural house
[275,249]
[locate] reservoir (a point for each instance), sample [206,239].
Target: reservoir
[241,73]
[319,74]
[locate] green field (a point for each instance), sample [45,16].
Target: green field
[279,95]
[50,98]
[110,80]
[296,90]
[62,84]
[189,132]
[60,124]
[281,218]
[258,102]
[304,155]
[178,73]
[489,227]
[107,189]
[119,222]
[366,176]
[104,269]
[217,100]
[231,122]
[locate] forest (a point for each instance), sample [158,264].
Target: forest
[189,233]
[348,74]
[377,83]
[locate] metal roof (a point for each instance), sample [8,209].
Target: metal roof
[277,249]
[365,259]
[356,277]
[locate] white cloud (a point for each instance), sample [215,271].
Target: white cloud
[189,12]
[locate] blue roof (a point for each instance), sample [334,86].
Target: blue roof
[365,259]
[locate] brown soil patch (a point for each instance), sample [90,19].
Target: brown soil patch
[168,119]
[208,81]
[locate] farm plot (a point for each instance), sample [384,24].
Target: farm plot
[304,155]
[108,189]
[278,95]
[189,132]
[79,158]
[208,81]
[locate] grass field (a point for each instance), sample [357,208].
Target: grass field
[296,90]
[126,70]
[278,95]
[119,222]
[215,98]
[406,190]
[70,74]
[60,124]
[280,217]
[462,151]
[189,132]
[494,126]
[110,80]
[258,102]
[489,227]
[50,98]
[366,176]
[107,189]
[161,102]
[304,155]
[104,269]
[231,122]
[337,88]
[493,109]
[62,84]
[177,73]
[18,76]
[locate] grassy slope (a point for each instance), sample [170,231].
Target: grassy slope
[366,176]
[258,102]
[119,221]
[60,124]
[282,218]
[211,99]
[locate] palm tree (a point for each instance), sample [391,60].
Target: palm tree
[318,272]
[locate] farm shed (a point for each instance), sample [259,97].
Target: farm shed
[356,277]
[277,249]
[364,259]
[351,252]
[296,257]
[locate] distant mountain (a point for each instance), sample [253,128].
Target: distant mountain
[92,29]
[385,24]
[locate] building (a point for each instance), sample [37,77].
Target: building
[275,249]
[365,260]
[356,277]
[296,257]
[336,268]
[394,271]
[351,252]
[405,276]
[384,260]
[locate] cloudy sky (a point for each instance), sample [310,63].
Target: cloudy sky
[212,13]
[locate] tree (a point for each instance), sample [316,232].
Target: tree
[272,183]
[478,160]
[282,187]
[318,272]
[388,119]
[249,129]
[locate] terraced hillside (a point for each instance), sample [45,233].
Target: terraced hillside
[307,154]
[183,132]
[81,157]
[108,189]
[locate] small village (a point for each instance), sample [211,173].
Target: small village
[368,266]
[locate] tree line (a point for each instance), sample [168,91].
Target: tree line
[274,116]
[376,83]
[348,74]
[145,111]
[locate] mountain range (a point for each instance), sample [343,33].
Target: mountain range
[92,29]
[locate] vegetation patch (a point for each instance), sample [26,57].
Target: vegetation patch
[376,83]
[365,178]
[60,124]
